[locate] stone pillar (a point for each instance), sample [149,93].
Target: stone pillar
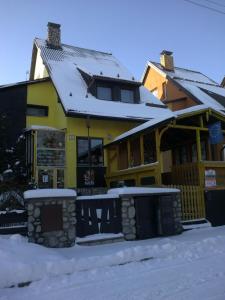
[51,221]
[128,218]
[177,213]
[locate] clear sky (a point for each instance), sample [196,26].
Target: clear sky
[134,31]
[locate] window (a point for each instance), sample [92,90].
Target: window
[104,93]
[37,111]
[90,164]
[127,96]
[149,148]
[135,152]
[89,152]
[50,148]
[123,157]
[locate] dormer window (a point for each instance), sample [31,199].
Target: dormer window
[104,93]
[127,96]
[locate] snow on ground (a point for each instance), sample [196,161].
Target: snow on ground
[188,266]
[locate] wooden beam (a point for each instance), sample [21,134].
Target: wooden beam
[198,143]
[158,155]
[190,127]
[142,149]
[128,153]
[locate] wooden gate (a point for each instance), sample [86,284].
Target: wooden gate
[98,215]
[192,201]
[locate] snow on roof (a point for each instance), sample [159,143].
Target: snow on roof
[141,191]
[45,193]
[146,125]
[185,74]
[40,127]
[199,94]
[63,67]
[98,197]
[199,85]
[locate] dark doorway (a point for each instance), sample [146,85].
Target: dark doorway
[146,217]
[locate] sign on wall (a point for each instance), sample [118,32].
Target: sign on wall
[215,133]
[210,178]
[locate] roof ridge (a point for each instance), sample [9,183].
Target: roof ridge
[71,46]
[196,81]
[189,70]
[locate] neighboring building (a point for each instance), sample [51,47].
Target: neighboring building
[181,88]
[82,100]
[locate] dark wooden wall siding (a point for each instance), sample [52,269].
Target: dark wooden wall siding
[13,104]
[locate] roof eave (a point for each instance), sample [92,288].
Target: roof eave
[168,120]
[71,113]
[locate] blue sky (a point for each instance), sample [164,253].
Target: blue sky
[134,31]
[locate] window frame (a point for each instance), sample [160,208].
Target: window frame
[34,106]
[106,87]
[89,151]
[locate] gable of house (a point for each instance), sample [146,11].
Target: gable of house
[181,88]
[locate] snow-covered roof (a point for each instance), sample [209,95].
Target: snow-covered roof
[65,66]
[147,125]
[40,127]
[141,191]
[206,90]
[45,193]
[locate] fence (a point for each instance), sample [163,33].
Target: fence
[192,201]
[13,222]
[98,215]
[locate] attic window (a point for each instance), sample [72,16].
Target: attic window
[127,96]
[104,93]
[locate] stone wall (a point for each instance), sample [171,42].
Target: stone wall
[129,215]
[60,220]
[128,218]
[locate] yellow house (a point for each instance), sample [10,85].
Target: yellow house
[84,100]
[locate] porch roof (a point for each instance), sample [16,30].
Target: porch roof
[143,127]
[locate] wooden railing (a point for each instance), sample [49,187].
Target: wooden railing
[192,201]
[186,174]
[136,174]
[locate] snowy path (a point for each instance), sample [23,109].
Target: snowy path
[188,266]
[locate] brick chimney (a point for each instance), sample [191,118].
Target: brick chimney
[54,35]
[166,60]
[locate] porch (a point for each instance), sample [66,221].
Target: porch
[178,154]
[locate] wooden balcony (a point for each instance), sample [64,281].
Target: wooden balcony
[140,175]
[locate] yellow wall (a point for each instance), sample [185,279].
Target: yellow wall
[44,93]
[40,69]
[106,129]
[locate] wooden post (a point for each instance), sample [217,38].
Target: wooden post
[157,143]
[128,153]
[198,143]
